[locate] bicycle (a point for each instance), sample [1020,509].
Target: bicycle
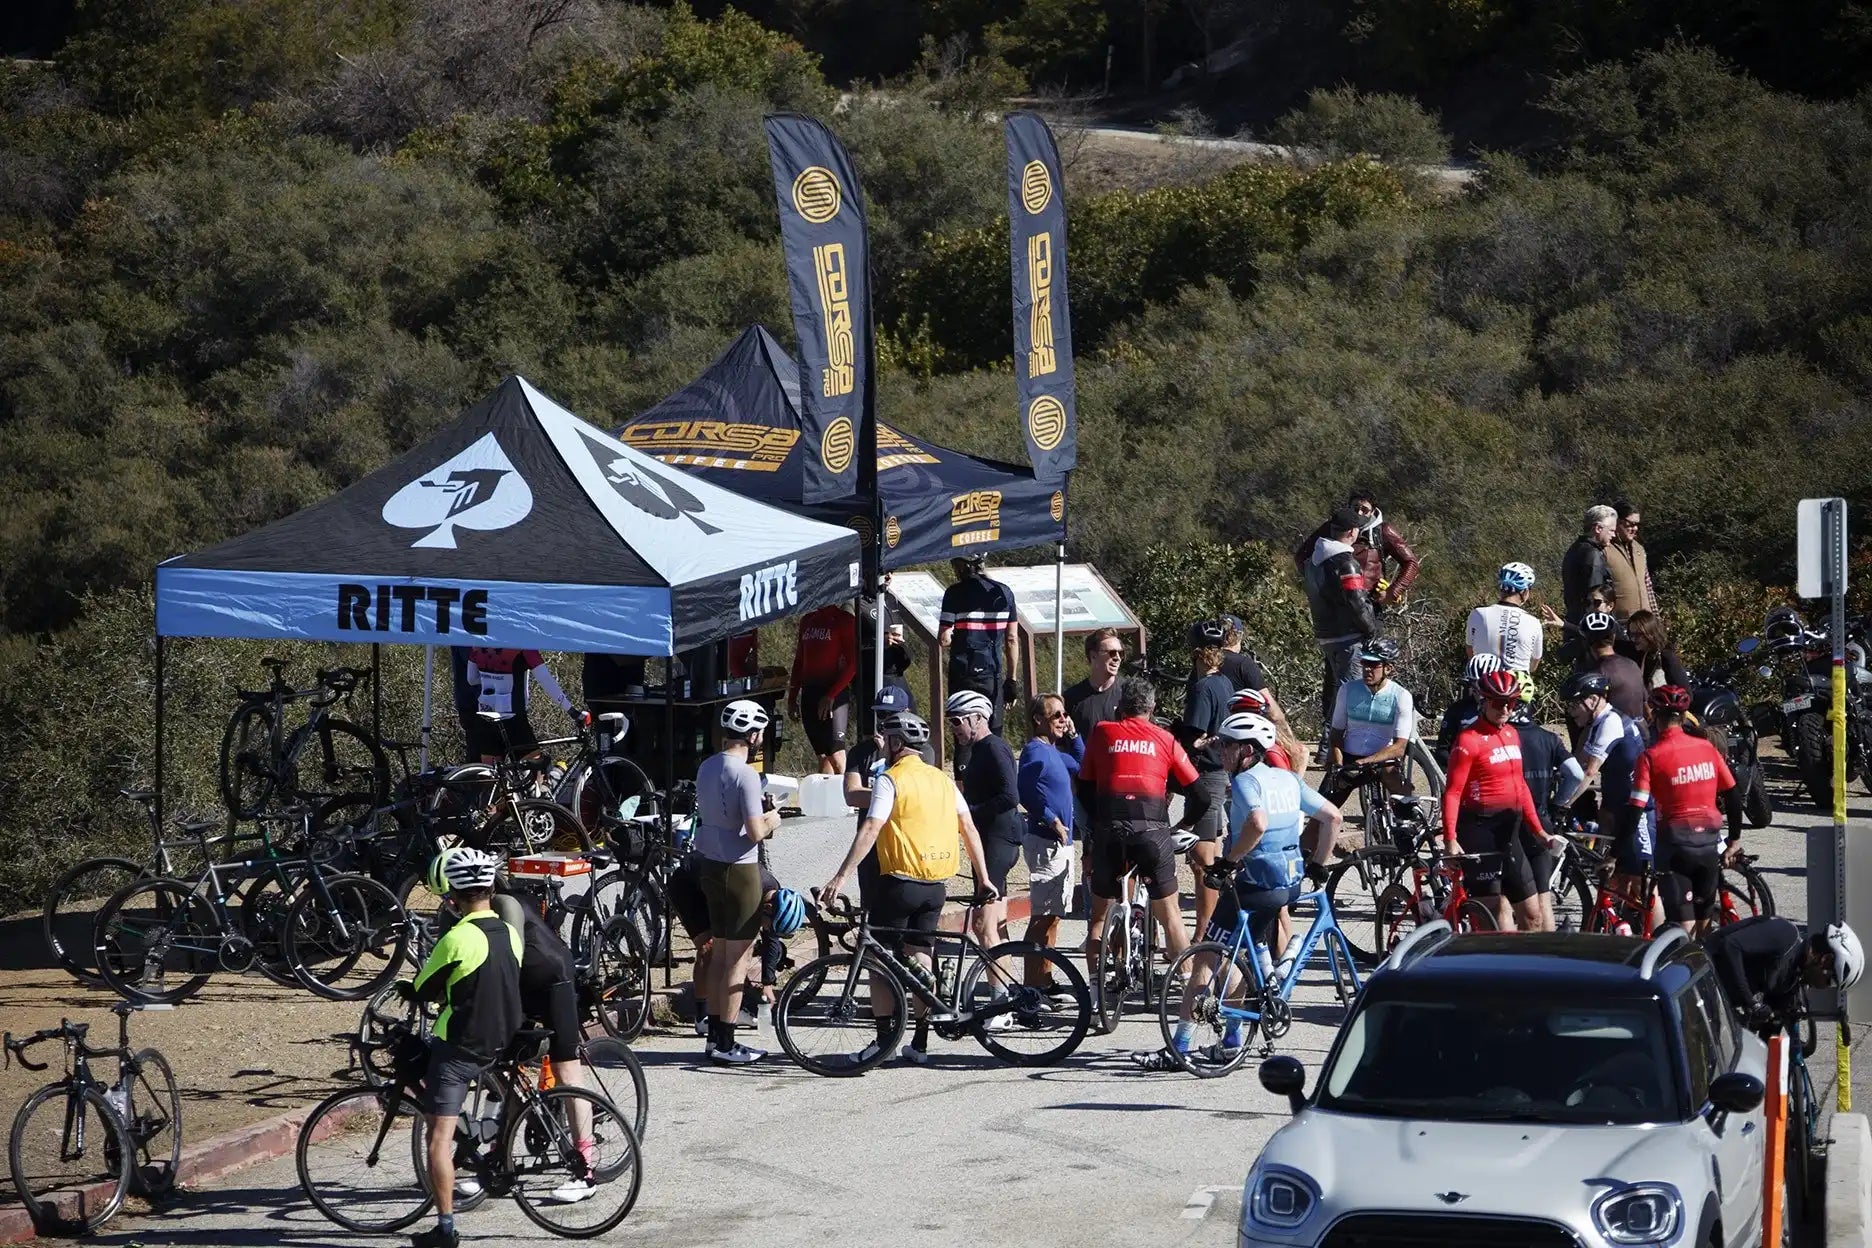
[329,924]
[345,1172]
[1127,944]
[260,760]
[1620,913]
[825,1020]
[138,1119]
[1357,882]
[1228,992]
[600,783]
[1436,891]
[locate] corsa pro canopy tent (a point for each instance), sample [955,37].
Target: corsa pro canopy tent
[518,525]
[738,424]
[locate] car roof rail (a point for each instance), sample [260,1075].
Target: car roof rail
[1428,938]
[1655,951]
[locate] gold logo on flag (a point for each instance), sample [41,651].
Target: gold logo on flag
[816,194]
[1036,187]
[1041,358]
[1057,506]
[1046,422]
[839,375]
[976,517]
[893,532]
[836,447]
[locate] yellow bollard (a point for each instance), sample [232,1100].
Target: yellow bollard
[1842,1065]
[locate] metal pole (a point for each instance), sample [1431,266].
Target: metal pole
[376,690]
[428,704]
[1836,570]
[159,736]
[1059,620]
[669,788]
[877,658]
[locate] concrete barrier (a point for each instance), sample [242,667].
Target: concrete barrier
[1849,1183]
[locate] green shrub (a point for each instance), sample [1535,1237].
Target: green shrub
[1344,122]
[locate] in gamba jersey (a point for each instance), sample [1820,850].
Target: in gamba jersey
[501,675]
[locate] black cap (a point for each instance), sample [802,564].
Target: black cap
[1343,518]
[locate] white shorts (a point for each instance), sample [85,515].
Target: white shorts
[1052,870]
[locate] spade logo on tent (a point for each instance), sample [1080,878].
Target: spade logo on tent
[647,491]
[478,488]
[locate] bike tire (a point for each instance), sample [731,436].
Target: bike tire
[625,891]
[71,909]
[1422,772]
[620,981]
[1353,887]
[386,1009]
[155,1124]
[619,1074]
[534,826]
[607,783]
[1754,886]
[347,764]
[1231,980]
[418,900]
[1800,1171]
[538,1150]
[1572,900]
[828,1034]
[260,906]
[1392,919]
[1054,1032]
[153,930]
[372,1195]
[348,949]
[1472,916]
[246,762]
[1111,980]
[56,1193]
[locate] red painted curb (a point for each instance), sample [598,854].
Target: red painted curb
[1017,911]
[204,1162]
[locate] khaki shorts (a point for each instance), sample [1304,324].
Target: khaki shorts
[1051,874]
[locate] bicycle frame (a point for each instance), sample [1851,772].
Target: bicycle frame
[1323,929]
[910,981]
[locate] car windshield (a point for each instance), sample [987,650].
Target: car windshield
[1505,1061]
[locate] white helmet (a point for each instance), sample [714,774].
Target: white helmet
[1481,665]
[1848,957]
[1247,726]
[461,867]
[968,702]
[742,716]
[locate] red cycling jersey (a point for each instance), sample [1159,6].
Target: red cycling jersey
[827,656]
[1129,764]
[1485,773]
[1684,773]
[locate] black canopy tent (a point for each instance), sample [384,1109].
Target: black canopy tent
[517,525]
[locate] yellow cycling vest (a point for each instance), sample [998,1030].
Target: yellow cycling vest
[922,838]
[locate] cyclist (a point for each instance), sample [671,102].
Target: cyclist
[1609,748]
[1492,803]
[732,819]
[819,686]
[992,791]
[1373,721]
[1542,754]
[782,912]
[1287,753]
[1129,764]
[1506,630]
[976,627]
[1687,776]
[1261,871]
[916,818]
[474,974]
[1765,961]
[1205,705]
[501,676]
[1466,709]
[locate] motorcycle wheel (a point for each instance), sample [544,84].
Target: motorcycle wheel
[1757,807]
[1813,752]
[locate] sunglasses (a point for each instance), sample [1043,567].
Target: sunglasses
[1501,701]
[1058,715]
[960,719]
[1111,654]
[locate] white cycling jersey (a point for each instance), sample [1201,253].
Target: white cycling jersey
[1509,633]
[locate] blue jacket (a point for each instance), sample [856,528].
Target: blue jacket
[1046,779]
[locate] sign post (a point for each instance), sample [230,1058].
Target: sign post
[1821,528]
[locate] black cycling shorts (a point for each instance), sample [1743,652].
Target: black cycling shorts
[1504,867]
[826,733]
[1539,858]
[553,1003]
[1000,856]
[1688,880]
[492,739]
[916,905]
[1119,847]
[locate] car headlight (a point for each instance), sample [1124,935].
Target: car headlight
[1282,1198]
[1641,1213]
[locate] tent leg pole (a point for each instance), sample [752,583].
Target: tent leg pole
[1059,620]
[428,704]
[159,736]
[376,690]
[877,657]
[669,807]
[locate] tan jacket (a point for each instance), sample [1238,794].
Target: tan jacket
[1631,578]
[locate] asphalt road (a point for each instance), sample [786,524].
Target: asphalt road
[1093,1152]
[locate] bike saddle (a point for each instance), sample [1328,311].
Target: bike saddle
[1183,842]
[137,795]
[196,826]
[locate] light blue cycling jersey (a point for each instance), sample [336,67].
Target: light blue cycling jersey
[1370,720]
[1287,802]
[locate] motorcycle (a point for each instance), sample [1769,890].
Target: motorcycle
[1804,657]
[1717,705]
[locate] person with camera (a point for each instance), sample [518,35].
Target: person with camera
[733,817]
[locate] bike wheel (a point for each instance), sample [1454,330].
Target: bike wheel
[71,910]
[1353,888]
[613,787]
[620,980]
[825,1017]
[342,760]
[1112,979]
[1473,916]
[157,942]
[1394,917]
[1420,770]
[353,1163]
[1749,882]
[260,909]
[557,1187]
[619,1078]
[69,1188]
[1046,1026]
[1572,900]
[418,900]
[1229,984]
[155,1123]
[382,1012]
[625,892]
[247,762]
[346,942]
[535,826]
[1801,1166]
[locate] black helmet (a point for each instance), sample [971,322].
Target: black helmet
[1582,685]
[1783,623]
[1378,650]
[1205,633]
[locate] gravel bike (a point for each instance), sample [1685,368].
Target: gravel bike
[72,903]
[322,759]
[826,1015]
[79,1146]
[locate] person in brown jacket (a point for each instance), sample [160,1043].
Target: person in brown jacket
[1627,567]
[1376,542]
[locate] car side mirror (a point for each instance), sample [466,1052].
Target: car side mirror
[1285,1076]
[1748,646]
[1733,1093]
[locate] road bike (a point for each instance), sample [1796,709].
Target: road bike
[1127,945]
[321,760]
[1023,1002]
[1358,881]
[79,1146]
[1619,912]
[599,782]
[513,1138]
[1435,889]
[1227,998]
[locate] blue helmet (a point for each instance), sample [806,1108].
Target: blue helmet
[789,912]
[1515,578]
